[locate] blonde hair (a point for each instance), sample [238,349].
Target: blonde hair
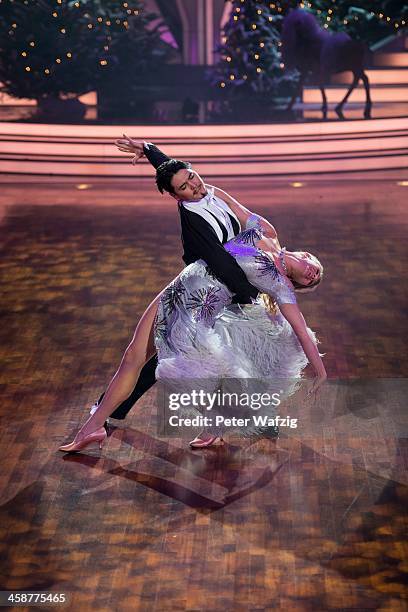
[269,303]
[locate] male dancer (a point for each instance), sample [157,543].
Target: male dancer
[206,224]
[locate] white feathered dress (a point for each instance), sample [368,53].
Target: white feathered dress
[205,341]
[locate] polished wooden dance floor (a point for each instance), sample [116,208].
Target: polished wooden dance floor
[297,524]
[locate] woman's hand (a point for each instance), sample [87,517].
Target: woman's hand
[128,145]
[318,381]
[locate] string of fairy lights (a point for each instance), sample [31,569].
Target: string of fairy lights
[239,13]
[397,23]
[261,44]
[131,12]
[94,22]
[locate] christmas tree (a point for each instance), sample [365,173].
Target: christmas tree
[361,19]
[250,60]
[55,47]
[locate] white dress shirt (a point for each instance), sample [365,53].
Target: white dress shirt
[211,205]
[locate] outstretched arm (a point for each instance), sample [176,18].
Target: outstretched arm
[244,213]
[292,314]
[140,148]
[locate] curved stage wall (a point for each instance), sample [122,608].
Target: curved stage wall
[216,150]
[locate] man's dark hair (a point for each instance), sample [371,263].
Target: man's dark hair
[166,171]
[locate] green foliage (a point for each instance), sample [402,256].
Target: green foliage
[361,19]
[54,47]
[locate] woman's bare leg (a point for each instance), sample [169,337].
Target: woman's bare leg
[137,353]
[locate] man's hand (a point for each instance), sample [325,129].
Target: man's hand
[128,145]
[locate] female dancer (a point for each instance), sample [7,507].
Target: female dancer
[193,327]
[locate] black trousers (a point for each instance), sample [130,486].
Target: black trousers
[146,380]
